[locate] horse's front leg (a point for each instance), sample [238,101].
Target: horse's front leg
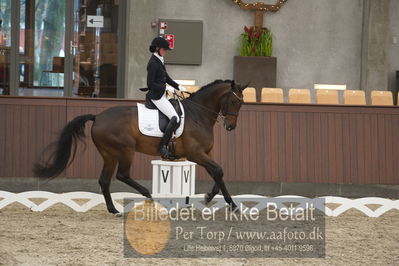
[209,196]
[216,172]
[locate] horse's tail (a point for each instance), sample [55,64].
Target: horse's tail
[62,148]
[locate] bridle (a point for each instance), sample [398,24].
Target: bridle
[223,113]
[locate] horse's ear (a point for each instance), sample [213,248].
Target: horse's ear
[246,86]
[233,84]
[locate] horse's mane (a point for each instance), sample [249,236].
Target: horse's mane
[218,81]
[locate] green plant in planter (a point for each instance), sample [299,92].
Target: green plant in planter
[256,41]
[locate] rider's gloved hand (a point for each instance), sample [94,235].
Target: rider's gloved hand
[170,89]
[182,89]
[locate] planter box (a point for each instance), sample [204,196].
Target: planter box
[260,71]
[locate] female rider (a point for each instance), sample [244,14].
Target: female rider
[157,78]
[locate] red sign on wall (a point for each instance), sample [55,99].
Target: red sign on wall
[171,39]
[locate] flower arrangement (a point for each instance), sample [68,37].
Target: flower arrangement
[256,41]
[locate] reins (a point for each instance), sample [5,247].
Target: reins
[220,115]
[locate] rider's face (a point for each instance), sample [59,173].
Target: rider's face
[162,51]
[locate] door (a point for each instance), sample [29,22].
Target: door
[41,50]
[60,48]
[5,46]
[95,48]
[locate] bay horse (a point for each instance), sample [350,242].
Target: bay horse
[116,135]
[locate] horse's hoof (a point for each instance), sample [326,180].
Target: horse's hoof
[235,209]
[118,214]
[150,201]
[207,199]
[148,196]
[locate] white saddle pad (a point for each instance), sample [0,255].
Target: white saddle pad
[149,121]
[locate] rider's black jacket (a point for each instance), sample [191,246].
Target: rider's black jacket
[157,77]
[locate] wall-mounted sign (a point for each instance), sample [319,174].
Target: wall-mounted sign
[95,21]
[185,36]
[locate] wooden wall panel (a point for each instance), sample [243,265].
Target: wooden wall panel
[3,128]
[26,127]
[365,127]
[389,142]
[374,143]
[272,142]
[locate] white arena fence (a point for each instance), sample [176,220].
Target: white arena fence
[93,200]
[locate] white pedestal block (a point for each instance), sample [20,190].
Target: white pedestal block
[173,178]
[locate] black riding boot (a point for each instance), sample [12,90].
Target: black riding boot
[167,136]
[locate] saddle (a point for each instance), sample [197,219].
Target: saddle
[163,119]
[153,123]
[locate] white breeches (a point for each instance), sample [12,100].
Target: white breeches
[166,107]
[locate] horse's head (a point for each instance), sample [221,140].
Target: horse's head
[231,105]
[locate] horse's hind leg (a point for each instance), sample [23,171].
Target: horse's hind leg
[105,181]
[123,174]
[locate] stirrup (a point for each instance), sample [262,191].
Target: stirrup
[163,150]
[166,154]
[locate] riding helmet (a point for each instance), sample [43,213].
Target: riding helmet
[159,42]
